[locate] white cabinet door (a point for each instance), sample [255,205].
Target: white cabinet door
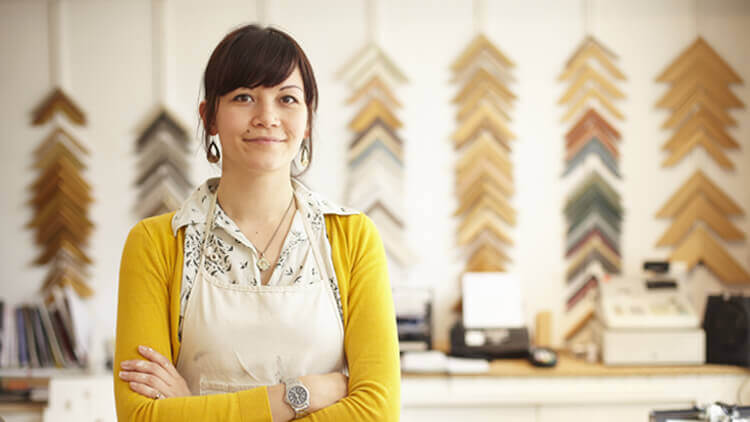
[609,413]
[469,414]
[81,399]
[20,416]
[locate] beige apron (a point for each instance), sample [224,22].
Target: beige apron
[236,337]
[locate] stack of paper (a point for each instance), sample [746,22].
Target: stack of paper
[434,361]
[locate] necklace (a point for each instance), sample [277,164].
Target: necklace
[263,263]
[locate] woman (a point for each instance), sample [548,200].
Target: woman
[257,297]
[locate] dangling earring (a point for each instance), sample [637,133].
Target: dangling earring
[304,153]
[213,155]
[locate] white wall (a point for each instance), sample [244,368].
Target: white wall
[108,65]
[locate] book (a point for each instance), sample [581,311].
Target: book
[30,341]
[23,353]
[63,311]
[3,322]
[62,334]
[80,323]
[54,342]
[8,328]
[11,357]
[43,347]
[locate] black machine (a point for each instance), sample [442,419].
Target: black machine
[727,326]
[489,343]
[415,331]
[710,413]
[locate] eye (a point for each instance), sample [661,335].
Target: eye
[289,99]
[243,98]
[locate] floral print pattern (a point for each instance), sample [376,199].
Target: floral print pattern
[231,257]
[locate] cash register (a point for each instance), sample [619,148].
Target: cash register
[649,319]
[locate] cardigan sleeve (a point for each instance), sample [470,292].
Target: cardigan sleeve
[370,336]
[143,319]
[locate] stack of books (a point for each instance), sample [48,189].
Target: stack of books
[48,333]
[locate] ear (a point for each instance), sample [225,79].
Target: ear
[202,112]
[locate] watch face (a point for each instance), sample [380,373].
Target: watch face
[297,396]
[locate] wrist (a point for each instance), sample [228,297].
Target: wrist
[280,411]
[313,385]
[297,396]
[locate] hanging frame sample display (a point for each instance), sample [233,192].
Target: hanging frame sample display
[699,97]
[61,196]
[593,209]
[376,153]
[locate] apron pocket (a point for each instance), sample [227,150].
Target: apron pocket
[219,387]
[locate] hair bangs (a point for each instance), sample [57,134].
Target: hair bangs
[257,61]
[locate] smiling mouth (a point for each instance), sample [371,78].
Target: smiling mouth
[263,139]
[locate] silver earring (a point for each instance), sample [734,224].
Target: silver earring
[304,153]
[213,155]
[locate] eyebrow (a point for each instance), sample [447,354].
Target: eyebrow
[291,86]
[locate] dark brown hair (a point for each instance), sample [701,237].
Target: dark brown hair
[252,56]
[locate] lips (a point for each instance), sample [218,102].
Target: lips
[263,139]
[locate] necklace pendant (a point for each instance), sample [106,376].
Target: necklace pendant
[263,264]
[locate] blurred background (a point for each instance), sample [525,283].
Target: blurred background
[104,57]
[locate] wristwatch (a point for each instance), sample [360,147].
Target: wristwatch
[298,397]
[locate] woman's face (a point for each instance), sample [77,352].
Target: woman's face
[261,129]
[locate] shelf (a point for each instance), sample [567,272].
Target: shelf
[39,372]
[568,366]
[22,407]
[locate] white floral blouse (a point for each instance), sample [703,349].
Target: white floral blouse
[232,256]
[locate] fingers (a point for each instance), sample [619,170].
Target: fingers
[147,372]
[145,384]
[159,359]
[147,368]
[146,390]
[157,373]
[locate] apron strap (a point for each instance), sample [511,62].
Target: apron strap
[321,263]
[207,230]
[322,268]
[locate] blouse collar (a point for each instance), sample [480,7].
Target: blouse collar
[196,207]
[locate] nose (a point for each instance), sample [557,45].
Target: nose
[265,115]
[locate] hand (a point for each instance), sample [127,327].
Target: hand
[155,378]
[326,389]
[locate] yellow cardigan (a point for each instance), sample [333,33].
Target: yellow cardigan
[149,308]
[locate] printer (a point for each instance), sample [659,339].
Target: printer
[492,324]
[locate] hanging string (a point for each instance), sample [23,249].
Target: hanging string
[262,12]
[585,5]
[372,21]
[158,50]
[696,9]
[479,9]
[593,13]
[697,159]
[56,36]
